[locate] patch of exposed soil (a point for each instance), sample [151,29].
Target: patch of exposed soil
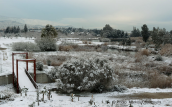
[146,95]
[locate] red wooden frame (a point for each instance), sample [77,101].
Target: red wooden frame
[26,60]
[13,63]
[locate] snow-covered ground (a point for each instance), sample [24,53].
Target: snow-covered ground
[61,100]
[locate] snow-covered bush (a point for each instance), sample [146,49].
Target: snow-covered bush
[39,66]
[86,74]
[6,94]
[46,44]
[158,58]
[25,46]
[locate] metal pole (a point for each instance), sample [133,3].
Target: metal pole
[17,76]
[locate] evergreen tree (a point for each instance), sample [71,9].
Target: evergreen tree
[107,27]
[7,30]
[126,35]
[49,31]
[25,28]
[14,30]
[128,42]
[18,29]
[135,32]
[11,30]
[145,33]
[171,32]
[158,36]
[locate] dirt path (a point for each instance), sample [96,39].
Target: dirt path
[146,95]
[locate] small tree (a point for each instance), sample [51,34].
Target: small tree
[25,28]
[128,42]
[49,31]
[145,33]
[135,32]
[107,27]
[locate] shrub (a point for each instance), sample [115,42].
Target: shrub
[46,44]
[166,50]
[158,58]
[39,66]
[145,52]
[48,62]
[85,74]
[25,46]
[104,47]
[65,48]
[159,80]
[138,57]
[84,42]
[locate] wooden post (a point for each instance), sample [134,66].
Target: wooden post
[17,76]
[13,66]
[27,61]
[72,97]
[35,70]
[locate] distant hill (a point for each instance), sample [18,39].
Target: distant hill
[11,21]
[6,23]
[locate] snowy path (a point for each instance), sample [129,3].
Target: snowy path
[24,81]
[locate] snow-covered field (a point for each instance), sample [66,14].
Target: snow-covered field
[61,100]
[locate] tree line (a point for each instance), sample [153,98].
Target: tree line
[14,29]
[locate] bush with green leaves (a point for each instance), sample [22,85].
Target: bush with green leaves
[85,74]
[39,66]
[25,46]
[46,44]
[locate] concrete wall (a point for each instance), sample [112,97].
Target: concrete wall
[6,80]
[40,78]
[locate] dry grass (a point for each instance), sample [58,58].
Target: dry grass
[84,42]
[138,57]
[145,52]
[65,48]
[167,70]
[137,39]
[147,95]
[166,50]
[158,80]
[30,55]
[57,60]
[105,43]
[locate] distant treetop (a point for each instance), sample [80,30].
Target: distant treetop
[107,27]
[49,31]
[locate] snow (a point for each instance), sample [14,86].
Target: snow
[62,100]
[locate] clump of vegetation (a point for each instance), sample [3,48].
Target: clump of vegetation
[145,52]
[166,50]
[158,80]
[25,46]
[47,41]
[85,74]
[39,66]
[158,58]
[46,44]
[138,57]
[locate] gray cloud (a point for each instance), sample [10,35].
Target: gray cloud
[120,14]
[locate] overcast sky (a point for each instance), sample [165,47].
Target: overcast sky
[120,14]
